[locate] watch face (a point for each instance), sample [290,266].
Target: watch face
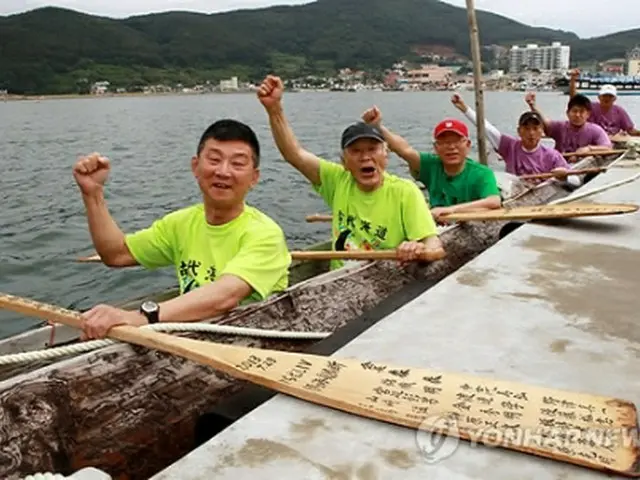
[149,307]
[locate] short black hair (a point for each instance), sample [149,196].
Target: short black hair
[227,130]
[579,101]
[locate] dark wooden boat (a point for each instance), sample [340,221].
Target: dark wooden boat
[131,411]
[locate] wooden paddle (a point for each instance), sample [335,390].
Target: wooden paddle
[537,212]
[542,176]
[427,256]
[565,426]
[318,217]
[594,154]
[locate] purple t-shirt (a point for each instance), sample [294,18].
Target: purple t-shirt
[615,120]
[520,162]
[569,139]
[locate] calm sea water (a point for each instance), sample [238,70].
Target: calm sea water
[150,141]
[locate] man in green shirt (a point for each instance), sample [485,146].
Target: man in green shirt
[372,210]
[224,251]
[455,182]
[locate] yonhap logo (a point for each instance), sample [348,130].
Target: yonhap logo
[437,437]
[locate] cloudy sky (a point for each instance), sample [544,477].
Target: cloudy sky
[584,17]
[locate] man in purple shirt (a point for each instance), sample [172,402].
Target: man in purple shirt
[613,118]
[575,134]
[524,155]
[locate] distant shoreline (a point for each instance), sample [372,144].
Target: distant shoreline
[68,96]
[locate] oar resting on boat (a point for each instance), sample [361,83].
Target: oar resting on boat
[427,256]
[354,386]
[578,155]
[539,212]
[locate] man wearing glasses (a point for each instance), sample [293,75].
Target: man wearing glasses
[371,209]
[455,182]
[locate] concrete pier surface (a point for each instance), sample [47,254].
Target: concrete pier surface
[552,304]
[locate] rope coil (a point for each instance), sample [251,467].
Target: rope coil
[83,347]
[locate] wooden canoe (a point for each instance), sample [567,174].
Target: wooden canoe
[131,412]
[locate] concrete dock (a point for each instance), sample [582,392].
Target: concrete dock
[552,304]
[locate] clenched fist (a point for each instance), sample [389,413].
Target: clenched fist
[372,116]
[270,92]
[530,98]
[91,173]
[458,102]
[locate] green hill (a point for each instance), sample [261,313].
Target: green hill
[605,47]
[53,50]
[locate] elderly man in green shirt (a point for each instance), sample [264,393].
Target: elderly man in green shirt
[455,182]
[372,209]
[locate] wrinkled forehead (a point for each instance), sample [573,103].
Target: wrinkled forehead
[227,149]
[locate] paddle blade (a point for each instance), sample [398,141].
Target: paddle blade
[546,422]
[569,210]
[593,431]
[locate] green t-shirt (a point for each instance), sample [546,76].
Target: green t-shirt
[251,247]
[474,182]
[378,220]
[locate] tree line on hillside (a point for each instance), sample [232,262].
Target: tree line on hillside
[53,50]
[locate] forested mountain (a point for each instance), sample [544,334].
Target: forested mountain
[53,50]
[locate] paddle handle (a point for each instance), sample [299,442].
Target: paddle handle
[318,217]
[427,256]
[53,313]
[32,308]
[89,259]
[541,176]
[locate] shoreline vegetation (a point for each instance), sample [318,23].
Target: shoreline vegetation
[76,96]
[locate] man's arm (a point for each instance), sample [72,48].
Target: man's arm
[627,124]
[488,203]
[397,144]
[601,142]
[573,80]
[260,266]
[419,224]
[108,239]
[207,301]
[91,173]
[493,134]
[304,161]
[401,147]
[530,98]
[270,95]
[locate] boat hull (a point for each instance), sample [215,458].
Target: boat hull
[131,411]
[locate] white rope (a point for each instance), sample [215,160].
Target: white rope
[83,347]
[45,476]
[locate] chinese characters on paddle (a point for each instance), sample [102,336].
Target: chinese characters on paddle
[224,251]
[372,209]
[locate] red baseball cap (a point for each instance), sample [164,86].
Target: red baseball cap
[451,125]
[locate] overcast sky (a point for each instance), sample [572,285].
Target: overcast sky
[584,17]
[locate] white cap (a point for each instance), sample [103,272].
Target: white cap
[608,90]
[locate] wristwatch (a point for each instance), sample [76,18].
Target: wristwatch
[151,310]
